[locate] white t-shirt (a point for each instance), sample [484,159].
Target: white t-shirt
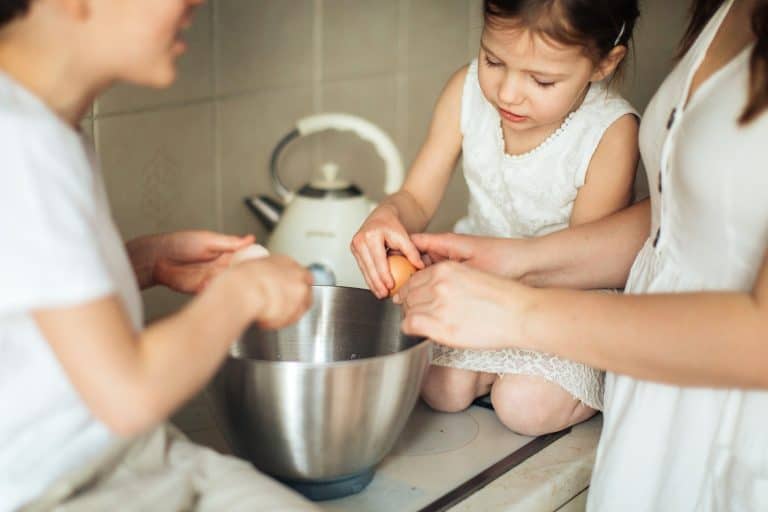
[60,248]
[675,448]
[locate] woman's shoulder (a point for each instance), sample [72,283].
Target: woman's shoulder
[41,158]
[29,135]
[27,121]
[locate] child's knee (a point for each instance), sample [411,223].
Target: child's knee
[449,389]
[533,406]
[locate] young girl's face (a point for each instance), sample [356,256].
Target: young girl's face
[532,81]
[138,41]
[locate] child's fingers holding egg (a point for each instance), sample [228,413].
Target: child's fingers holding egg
[402,242]
[379,256]
[371,273]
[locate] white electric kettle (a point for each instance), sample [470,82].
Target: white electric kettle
[315,224]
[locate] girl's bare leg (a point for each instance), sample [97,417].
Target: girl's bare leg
[533,406]
[453,389]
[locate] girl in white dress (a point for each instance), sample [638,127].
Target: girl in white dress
[546,144]
[686,405]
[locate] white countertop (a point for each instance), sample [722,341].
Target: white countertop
[545,481]
[460,445]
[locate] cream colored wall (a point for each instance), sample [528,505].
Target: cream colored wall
[184,157]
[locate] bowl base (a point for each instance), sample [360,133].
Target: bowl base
[322,490]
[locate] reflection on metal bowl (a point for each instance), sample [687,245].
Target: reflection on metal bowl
[320,403]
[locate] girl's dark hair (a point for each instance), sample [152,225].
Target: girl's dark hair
[595,25]
[9,9]
[701,12]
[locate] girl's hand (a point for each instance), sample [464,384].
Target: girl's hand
[501,256]
[381,231]
[277,290]
[459,306]
[184,261]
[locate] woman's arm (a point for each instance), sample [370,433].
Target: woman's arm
[412,207]
[594,255]
[697,339]
[133,380]
[599,254]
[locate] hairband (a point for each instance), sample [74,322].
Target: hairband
[621,34]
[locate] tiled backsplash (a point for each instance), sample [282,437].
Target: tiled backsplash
[184,157]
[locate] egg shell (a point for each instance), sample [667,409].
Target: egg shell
[401,270]
[252,252]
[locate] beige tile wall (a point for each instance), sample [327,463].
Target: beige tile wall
[184,157]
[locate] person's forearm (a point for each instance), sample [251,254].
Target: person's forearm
[595,255]
[131,380]
[178,355]
[411,214]
[168,362]
[702,339]
[142,254]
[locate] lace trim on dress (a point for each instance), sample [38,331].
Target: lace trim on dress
[579,380]
[500,142]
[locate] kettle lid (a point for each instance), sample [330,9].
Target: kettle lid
[328,184]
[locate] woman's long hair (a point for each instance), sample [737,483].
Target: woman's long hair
[701,12]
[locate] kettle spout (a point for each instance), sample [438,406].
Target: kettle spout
[266,209]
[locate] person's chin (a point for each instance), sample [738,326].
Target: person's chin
[167,79]
[161,78]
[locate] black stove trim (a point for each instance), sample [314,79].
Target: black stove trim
[493,472]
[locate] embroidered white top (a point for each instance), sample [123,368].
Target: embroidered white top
[530,194]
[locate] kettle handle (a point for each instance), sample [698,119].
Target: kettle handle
[345,122]
[366,131]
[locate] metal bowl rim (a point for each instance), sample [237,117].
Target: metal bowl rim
[330,364]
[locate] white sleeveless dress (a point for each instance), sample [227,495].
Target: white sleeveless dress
[528,195]
[685,449]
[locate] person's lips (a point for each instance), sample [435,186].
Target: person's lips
[512,117]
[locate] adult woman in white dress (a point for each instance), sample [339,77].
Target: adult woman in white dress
[686,347]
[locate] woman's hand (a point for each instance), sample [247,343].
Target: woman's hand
[184,261]
[276,289]
[501,256]
[459,306]
[381,231]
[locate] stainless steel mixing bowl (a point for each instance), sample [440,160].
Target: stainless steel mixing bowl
[323,401]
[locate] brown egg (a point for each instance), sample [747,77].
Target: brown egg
[401,270]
